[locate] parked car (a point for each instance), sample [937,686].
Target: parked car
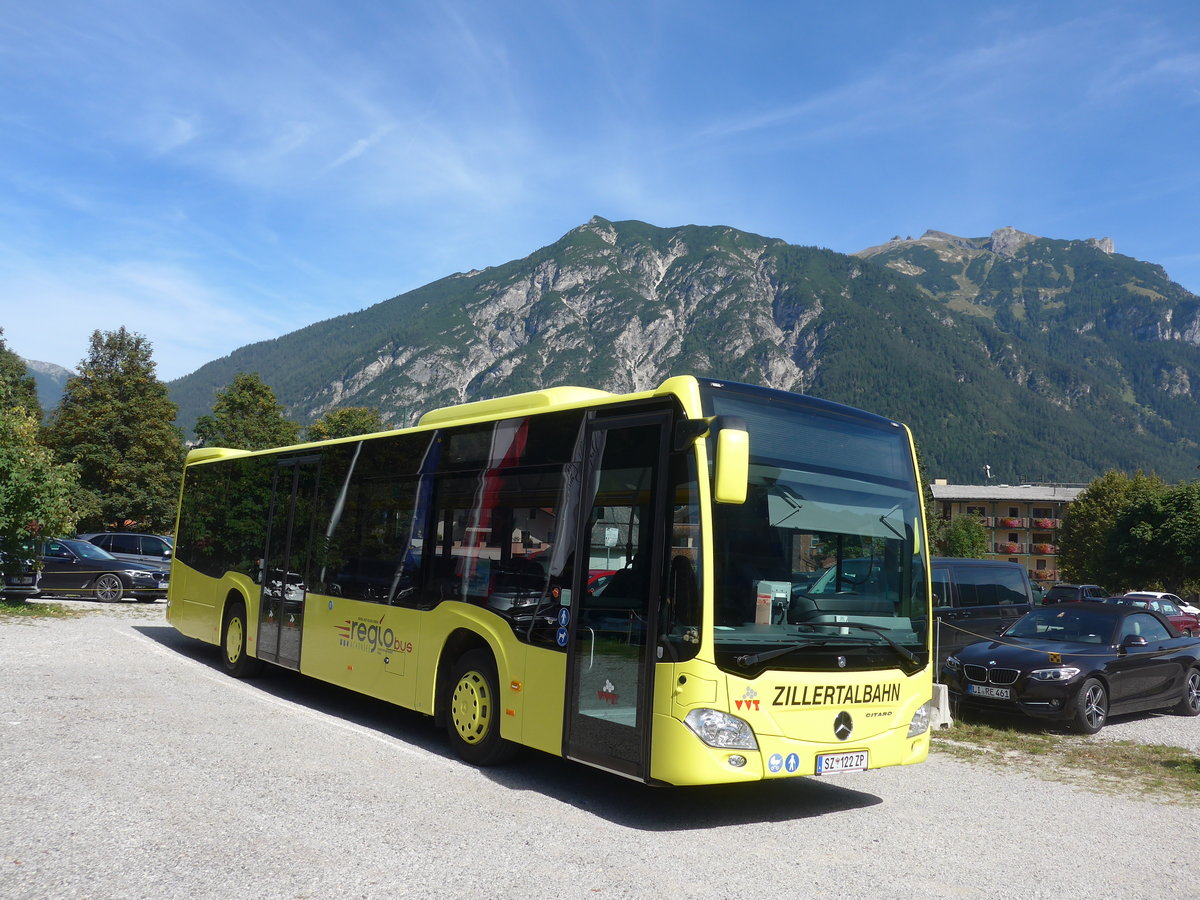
[1075,593]
[22,582]
[154,549]
[973,599]
[1079,664]
[1174,598]
[1186,622]
[71,567]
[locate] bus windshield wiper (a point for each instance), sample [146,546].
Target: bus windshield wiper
[901,651]
[750,659]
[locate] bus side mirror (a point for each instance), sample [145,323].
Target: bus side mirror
[731,473]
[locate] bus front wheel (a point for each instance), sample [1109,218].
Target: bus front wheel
[473,711]
[234,658]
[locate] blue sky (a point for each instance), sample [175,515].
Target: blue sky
[211,174]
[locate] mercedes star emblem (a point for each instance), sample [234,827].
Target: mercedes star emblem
[843,725]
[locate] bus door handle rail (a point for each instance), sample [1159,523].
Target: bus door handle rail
[592,648]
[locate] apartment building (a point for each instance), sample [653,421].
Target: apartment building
[1022,520]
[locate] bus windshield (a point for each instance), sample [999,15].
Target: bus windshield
[822,566]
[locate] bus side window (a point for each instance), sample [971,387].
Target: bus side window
[366,543]
[682,610]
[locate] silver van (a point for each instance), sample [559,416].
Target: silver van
[155,549]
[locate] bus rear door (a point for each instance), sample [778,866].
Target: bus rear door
[281,612]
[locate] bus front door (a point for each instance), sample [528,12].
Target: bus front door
[281,612]
[611,644]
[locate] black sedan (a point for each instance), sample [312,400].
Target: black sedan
[77,568]
[1079,663]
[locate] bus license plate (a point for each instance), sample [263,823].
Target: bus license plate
[828,763]
[986,690]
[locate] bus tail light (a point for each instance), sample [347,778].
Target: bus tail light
[720,729]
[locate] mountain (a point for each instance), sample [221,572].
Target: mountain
[50,380]
[1047,360]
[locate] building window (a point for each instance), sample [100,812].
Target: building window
[977,511]
[1012,537]
[1013,512]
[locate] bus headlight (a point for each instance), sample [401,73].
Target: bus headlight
[720,729]
[920,720]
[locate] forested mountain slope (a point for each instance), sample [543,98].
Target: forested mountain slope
[1047,360]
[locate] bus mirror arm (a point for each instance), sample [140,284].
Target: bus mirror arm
[687,431]
[731,471]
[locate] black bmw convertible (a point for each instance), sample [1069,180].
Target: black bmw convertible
[1079,663]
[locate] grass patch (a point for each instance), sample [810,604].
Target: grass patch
[1118,767]
[26,609]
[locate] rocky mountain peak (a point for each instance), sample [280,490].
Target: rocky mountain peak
[1007,241]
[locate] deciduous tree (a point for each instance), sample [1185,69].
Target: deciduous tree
[963,537]
[114,423]
[346,422]
[1086,546]
[1155,540]
[246,416]
[36,493]
[22,387]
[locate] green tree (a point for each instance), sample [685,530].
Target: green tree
[246,416]
[22,387]
[1086,551]
[36,493]
[346,422]
[115,424]
[1156,539]
[963,537]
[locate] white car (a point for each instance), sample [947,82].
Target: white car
[1159,595]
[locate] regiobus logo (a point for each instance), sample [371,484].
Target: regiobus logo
[371,636]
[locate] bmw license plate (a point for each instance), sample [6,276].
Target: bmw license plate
[986,690]
[829,763]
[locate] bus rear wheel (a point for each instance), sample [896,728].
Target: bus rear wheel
[234,657]
[473,711]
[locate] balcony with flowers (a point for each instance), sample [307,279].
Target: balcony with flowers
[1047,524]
[1008,547]
[1011,523]
[1044,549]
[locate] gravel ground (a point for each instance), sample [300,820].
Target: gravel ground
[132,767]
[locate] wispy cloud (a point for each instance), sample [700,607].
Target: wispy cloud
[1055,65]
[361,146]
[51,312]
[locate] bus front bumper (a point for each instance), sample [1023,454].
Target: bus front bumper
[682,758]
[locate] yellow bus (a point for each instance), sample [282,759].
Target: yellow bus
[702,583]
